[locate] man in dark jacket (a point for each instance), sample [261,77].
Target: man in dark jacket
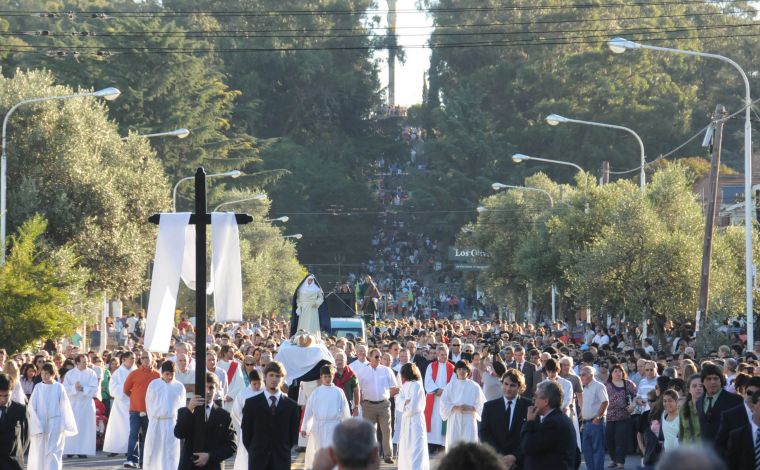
[742,441]
[13,428]
[503,419]
[736,417]
[714,402]
[528,370]
[209,437]
[548,436]
[270,423]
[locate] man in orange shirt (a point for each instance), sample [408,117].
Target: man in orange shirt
[135,388]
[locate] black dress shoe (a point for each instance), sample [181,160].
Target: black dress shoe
[69,456]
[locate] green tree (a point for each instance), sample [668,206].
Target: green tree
[42,289]
[66,162]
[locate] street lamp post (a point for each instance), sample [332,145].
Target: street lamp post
[231,174]
[258,197]
[284,219]
[180,133]
[555,119]
[297,236]
[620,45]
[108,94]
[499,186]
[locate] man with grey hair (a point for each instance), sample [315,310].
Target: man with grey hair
[547,437]
[692,457]
[354,447]
[595,402]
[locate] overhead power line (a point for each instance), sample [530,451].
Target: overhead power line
[363,35]
[325,12]
[518,42]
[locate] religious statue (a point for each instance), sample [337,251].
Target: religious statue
[307,314]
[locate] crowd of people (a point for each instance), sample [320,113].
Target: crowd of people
[536,394]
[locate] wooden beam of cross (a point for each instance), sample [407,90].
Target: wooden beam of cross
[201,219]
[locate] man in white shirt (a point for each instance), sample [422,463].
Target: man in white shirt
[378,384]
[212,367]
[593,412]
[185,375]
[361,359]
[647,383]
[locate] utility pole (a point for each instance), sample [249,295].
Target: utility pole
[712,202]
[605,172]
[392,54]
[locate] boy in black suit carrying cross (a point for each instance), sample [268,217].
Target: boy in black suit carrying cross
[270,423]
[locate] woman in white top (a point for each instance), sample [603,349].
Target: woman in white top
[412,446]
[670,419]
[461,405]
[51,420]
[17,393]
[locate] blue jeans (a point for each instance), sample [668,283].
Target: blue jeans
[592,445]
[138,427]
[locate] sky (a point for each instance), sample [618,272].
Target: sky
[413,28]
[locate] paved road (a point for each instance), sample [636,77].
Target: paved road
[101,461]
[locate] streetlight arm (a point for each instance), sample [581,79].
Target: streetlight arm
[257,197]
[613,126]
[174,192]
[529,188]
[539,159]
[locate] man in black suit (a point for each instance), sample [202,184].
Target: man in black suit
[270,423]
[503,418]
[528,370]
[14,431]
[714,402]
[417,359]
[548,441]
[743,441]
[214,432]
[736,417]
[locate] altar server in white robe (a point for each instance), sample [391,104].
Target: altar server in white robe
[413,444]
[308,300]
[461,406]
[118,420]
[437,375]
[326,408]
[253,389]
[51,421]
[81,384]
[234,372]
[162,400]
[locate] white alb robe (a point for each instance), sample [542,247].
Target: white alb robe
[118,420]
[412,446]
[435,436]
[308,300]
[326,408]
[236,385]
[461,427]
[241,457]
[83,407]
[162,400]
[304,392]
[50,422]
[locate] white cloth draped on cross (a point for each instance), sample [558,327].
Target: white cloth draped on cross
[175,259]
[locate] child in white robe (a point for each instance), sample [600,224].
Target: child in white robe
[461,405]
[81,384]
[50,422]
[326,408]
[241,456]
[162,400]
[413,444]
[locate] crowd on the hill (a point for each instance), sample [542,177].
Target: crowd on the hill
[540,395]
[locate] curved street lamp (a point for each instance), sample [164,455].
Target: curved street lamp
[556,119]
[620,45]
[231,174]
[180,133]
[108,94]
[284,219]
[297,236]
[519,158]
[258,197]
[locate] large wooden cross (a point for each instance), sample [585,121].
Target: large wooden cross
[201,219]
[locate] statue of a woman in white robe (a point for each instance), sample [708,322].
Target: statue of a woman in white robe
[309,298]
[51,420]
